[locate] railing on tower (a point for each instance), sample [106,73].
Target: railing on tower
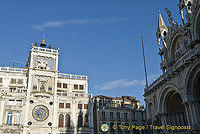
[35,48]
[71,76]
[10,69]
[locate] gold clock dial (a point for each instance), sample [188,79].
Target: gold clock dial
[40,113]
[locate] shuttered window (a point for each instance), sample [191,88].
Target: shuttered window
[64,85]
[85,106]
[75,86]
[67,120]
[20,81]
[79,106]
[61,105]
[80,121]
[67,105]
[13,81]
[59,85]
[81,87]
[61,120]
[86,121]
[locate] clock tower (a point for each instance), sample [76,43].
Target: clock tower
[38,99]
[41,94]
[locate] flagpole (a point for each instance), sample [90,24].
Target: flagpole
[144,63]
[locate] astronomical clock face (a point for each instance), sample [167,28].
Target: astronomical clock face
[44,63]
[40,113]
[181,46]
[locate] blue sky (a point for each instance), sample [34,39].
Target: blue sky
[99,38]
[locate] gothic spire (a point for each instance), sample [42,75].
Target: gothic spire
[162,29]
[161,25]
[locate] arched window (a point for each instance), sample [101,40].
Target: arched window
[86,121]
[16,118]
[61,120]
[9,118]
[67,120]
[80,121]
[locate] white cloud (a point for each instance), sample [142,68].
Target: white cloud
[44,26]
[125,83]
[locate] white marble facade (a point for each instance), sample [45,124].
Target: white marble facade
[38,99]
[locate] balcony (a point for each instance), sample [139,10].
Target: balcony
[71,76]
[41,94]
[47,50]
[9,69]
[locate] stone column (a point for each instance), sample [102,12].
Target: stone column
[27,103]
[55,115]
[188,113]
[197,111]
[2,110]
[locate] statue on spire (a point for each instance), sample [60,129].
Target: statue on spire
[43,44]
[181,6]
[169,16]
[174,25]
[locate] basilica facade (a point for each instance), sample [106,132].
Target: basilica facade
[174,98]
[38,99]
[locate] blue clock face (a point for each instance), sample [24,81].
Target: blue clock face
[40,113]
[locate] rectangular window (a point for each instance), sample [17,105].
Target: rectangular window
[50,88]
[35,87]
[20,81]
[67,105]
[64,85]
[0,80]
[133,116]
[85,106]
[59,94]
[64,94]
[142,114]
[59,85]
[79,106]
[103,115]
[19,102]
[75,86]
[16,118]
[100,102]
[9,118]
[12,89]
[13,81]
[11,102]
[111,116]
[61,105]
[125,116]
[81,87]
[118,116]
